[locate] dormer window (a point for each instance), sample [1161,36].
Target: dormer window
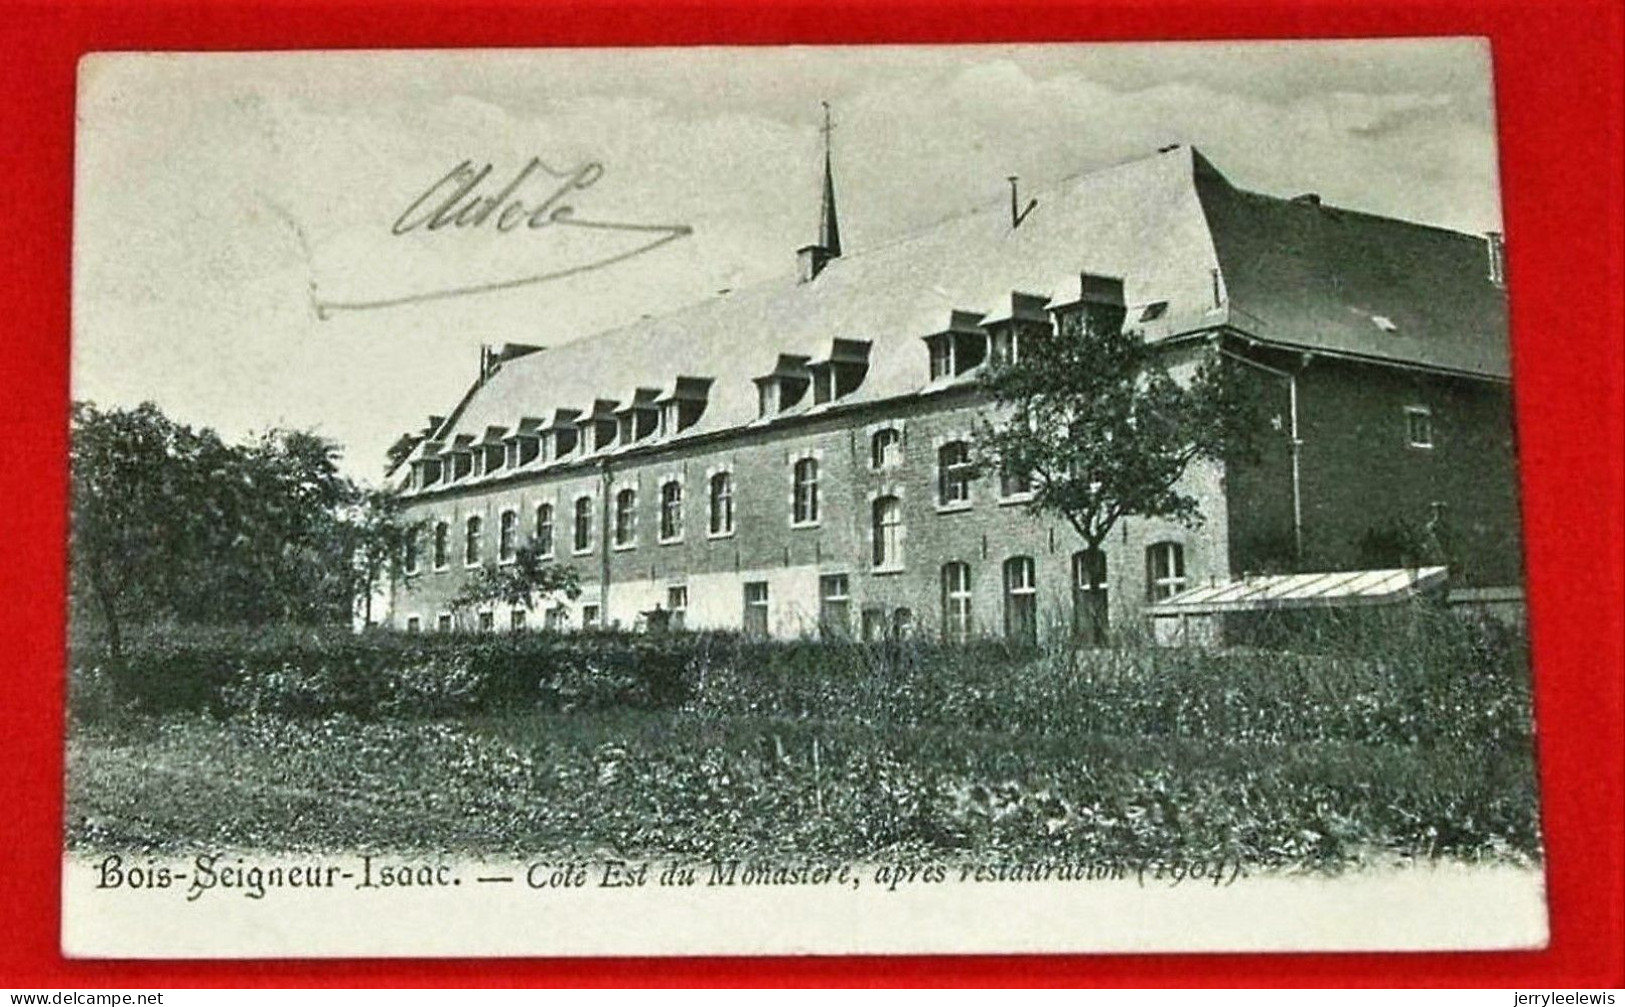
[841,372]
[638,418]
[784,387]
[961,347]
[490,453]
[682,407]
[1014,334]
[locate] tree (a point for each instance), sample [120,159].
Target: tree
[1101,430]
[171,523]
[382,543]
[145,496]
[518,584]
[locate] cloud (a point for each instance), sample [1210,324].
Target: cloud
[192,280]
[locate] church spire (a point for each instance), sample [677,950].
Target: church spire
[829,228]
[814,258]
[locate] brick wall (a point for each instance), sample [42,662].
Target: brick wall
[766,546]
[1365,488]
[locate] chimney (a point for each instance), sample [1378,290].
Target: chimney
[1308,199]
[1497,247]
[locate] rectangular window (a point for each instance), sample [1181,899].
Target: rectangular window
[942,357]
[1089,600]
[755,622]
[1014,482]
[804,492]
[677,604]
[589,617]
[488,621]
[442,622]
[956,602]
[886,533]
[516,619]
[874,623]
[886,449]
[834,607]
[582,541]
[442,545]
[1164,570]
[626,518]
[722,503]
[544,530]
[1419,426]
[554,620]
[671,511]
[411,548]
[507,536]
[414,624]
[1020,600]
[953,474]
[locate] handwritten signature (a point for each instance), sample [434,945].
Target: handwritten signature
[463,200]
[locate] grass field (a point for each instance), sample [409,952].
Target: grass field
[647,784]
[1414,742]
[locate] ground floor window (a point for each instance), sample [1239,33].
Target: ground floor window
[442,622]
[1089,600]
[589,617]
[555,618]
[1164,570]
[516,619]
[488,621]
[755,621]
[1020,600]
[834,606]
[414,624]
[677,605]
[956,602]
[874,623]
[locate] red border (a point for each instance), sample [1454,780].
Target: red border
[1559,75]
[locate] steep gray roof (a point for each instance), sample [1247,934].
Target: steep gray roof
[1298,274]
[1301,273]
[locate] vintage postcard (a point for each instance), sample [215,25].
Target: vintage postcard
[1055,498]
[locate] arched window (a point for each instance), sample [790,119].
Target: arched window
[804,495]
[544,529]
[956,602]
[1164,570]
[626,517]
[722,503]
[1020,600]
[953,474]
[671,511]
[507,536]
[886,522]
[442,545]
[1089,601]
[886,449]
[583,525]
[471,540]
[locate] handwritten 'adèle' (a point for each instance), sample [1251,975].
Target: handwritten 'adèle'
[461,207]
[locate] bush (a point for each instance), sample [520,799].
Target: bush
[1411,676]
[314,674]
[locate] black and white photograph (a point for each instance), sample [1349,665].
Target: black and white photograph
[893,499]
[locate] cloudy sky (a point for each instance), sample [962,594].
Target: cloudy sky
[221,198]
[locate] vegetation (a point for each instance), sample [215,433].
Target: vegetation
[1101,431]
[1413,741]
[173,526]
